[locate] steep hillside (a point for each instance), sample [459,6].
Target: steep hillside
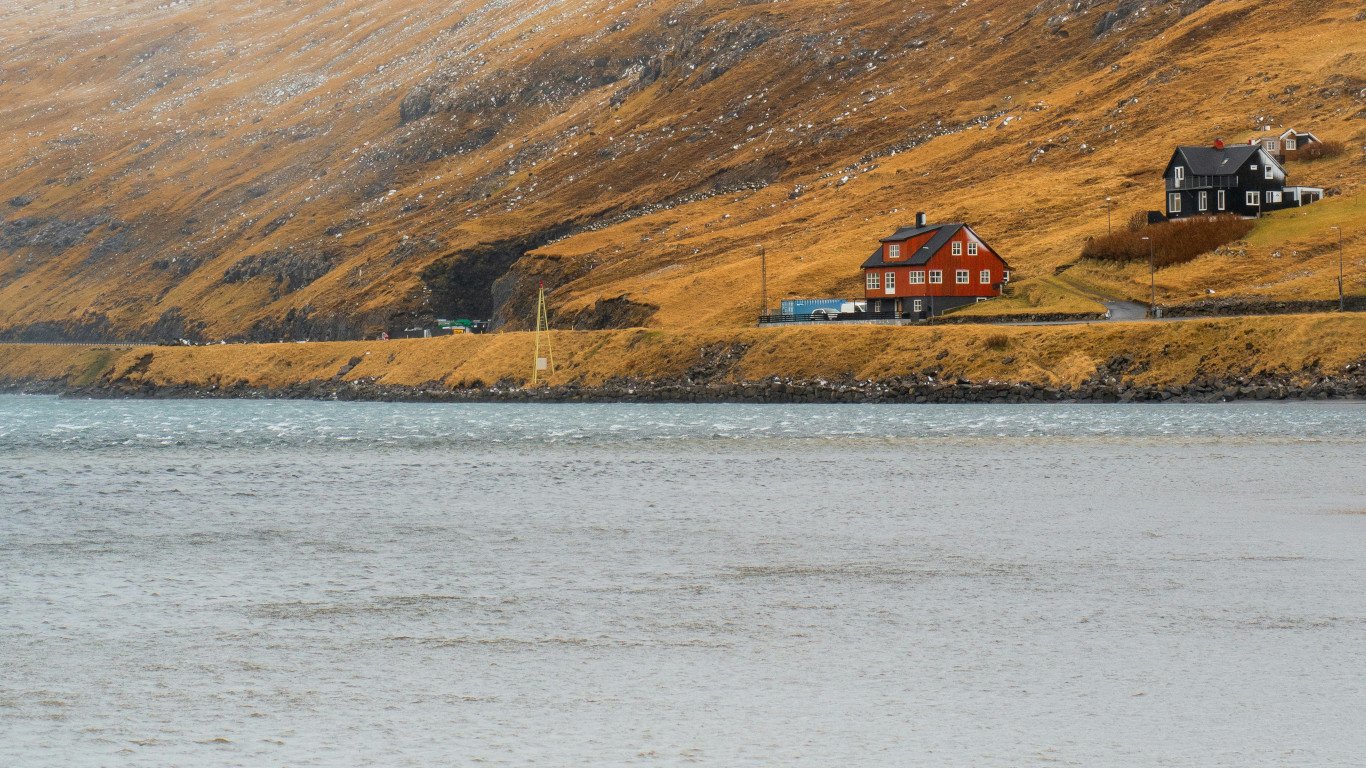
[331,169]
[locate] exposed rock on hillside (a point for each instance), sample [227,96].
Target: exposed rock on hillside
[238,169]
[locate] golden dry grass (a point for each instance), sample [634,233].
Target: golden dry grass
[1173,353]
[1048,294]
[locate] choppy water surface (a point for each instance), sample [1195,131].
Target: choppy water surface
[298,583]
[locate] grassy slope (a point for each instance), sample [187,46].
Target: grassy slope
[1291,254]
[198,126]
[1167,353]
[1047,294]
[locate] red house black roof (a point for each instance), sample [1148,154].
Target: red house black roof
[922,254]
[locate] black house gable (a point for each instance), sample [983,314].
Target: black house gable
[1243,180]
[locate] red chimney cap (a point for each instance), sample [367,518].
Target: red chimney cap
[1218,143]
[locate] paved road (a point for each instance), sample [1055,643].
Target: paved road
[1117,312]
[1125,310]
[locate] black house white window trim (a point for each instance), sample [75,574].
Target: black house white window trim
[917,305]
[1203,204]
[1174,203]
[1220,199]
[1254,198]
[1178,176]
[1268,173]
[1273,196]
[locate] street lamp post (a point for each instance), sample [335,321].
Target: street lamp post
[1342,296]
[1152,279]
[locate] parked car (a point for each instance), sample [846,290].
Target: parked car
[846,310]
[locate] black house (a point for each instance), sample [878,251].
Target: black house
[1243,180]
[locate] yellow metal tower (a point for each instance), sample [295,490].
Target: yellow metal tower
[546,363]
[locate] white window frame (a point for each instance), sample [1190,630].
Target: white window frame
[872,281]
[1005,276]
[1290,145]
[1174,202]
[957,248]
[1178,176]
[936,277]
[917,277]
[984,277]
[961,277]
[1254,198]
[1273,196]
[972,249]
[1202,202]
[889,282]
[1268,173]
[1270,144]
[917,305]
[1221,199]
[894,250]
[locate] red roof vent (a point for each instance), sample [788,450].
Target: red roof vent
[1218,143]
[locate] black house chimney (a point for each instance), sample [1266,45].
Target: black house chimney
[920,218]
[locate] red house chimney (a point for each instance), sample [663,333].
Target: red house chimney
[1218,143]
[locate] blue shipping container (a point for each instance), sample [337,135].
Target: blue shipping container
[804,307]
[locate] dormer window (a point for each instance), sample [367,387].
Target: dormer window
[1290,145]
[894,251]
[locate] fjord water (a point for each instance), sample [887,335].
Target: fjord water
[303,583]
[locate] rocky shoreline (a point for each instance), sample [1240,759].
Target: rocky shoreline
[1108,386]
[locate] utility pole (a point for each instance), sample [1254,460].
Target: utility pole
[1152,279]
[1109,205]
[542,362]
[1342,296]
[763,281]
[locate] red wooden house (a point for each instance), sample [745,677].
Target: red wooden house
[925,270]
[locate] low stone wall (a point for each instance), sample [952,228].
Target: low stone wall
[1107,386]
[1237,306]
